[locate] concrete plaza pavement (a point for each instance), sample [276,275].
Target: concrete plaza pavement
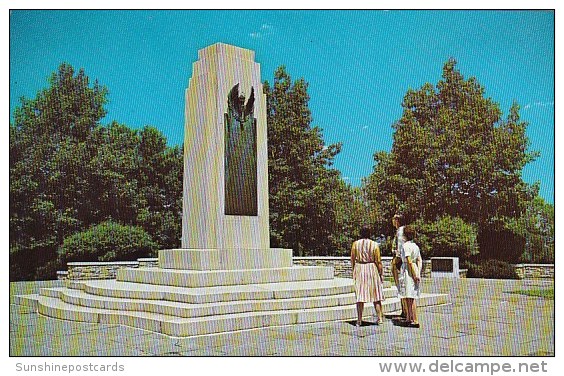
[483,318]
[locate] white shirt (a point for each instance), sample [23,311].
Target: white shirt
[411,250]
[401,240]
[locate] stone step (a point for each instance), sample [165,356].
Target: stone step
[277,290]
[224,259]
[56,308]
[196,278]
[29,300]
[181,309]
[187,310]
[183,327]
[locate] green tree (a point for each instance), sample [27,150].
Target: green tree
[48,142]
[447,236]
[305,193]
[68,173]
[351,214]
[114,187]
[454,155]
[137,180]
[160,173]
[535,229]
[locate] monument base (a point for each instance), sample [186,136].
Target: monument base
[192,311]
[225,259]
[191,302]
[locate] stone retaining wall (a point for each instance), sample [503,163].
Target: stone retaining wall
[102,270]
[341,265]
[535,271]
[97,270]
[426,271]
[148,262]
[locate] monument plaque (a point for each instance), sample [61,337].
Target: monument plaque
[240,155]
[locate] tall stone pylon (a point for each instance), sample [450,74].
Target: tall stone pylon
[225,199]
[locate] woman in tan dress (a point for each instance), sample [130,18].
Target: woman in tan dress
[367,272]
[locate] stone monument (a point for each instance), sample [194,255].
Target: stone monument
[225,277]
[225,200]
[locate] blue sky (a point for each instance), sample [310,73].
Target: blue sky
[359,65]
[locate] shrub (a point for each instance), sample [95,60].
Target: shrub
[491,268]
[49,270]
[107,241]
[498,242]
[448,236]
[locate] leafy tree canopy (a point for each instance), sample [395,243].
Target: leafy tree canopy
[69,172]
[310,206]
[453,154]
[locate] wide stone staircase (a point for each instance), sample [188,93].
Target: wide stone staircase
[185,303]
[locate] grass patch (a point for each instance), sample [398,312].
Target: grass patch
[547,293]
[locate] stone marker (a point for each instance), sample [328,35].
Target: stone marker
[445,267]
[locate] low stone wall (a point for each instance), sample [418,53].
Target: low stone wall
[341,266]
[148,262]
[426,270]
[102,270]
[97,270]
[535,271]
